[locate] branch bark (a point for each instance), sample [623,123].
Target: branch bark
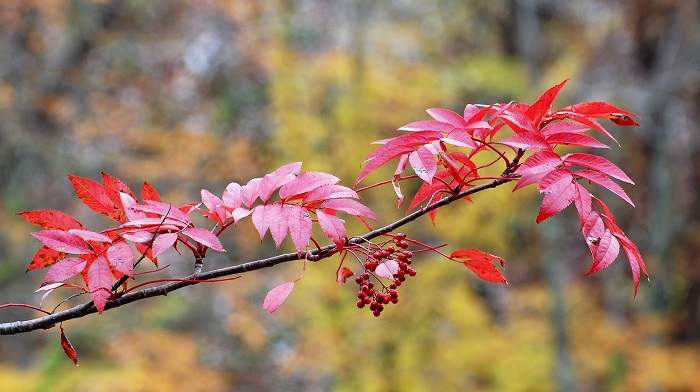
[87,308]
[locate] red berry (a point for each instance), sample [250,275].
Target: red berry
[403,266]
[358,280]
[376,313]
[402,244]
[394,300]
[407,253]
[412,272]
[365,276]
[390,249]
[360,304]
[392,286]
[399,236]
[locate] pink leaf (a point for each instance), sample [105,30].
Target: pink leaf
[277,179]
[428,125]
[260,220]
[598,163]
[90,235]
[215,206]
[121,258]
[460,138]
[423,163]
[349,206]
[330,191]
[300,226]
[276,297]
[563,127]
[162,243]
[527,141]
[536,167]
[99,280]
[64,270]
[387,269]
[447,116]
[306,182]
[604,181]
[232,196]
[333,227]
[574,139]
[204,237]
[583,202]
[394,148]
[63,241]
[278,220]
[605,250]
[250,191]
[560,191]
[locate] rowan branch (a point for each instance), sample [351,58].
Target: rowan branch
[79,311]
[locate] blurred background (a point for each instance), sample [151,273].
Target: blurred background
[189,95]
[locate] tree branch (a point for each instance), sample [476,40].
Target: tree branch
[87,308]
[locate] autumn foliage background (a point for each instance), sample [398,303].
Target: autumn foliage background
[192,95]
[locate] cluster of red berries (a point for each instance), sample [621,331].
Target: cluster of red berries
[397,261]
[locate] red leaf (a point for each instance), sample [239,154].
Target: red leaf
[563,127]
[94,196]
[343,274]
[149,193]
[561,114]
[64,270]
[277,179]
[333,227]
[527,141]
[423,163]
[99,281]
[306,182]
[276,297]
[204,237]
[560,191]
[121,258]
[68,348]
[635,259]
[113,186]
[51,219]
[300,226]
[394,148]
[604,181]
[597,109]
[598,163]
[574,139]
[63,241]
[45,257]
[544,103]
[480,263]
